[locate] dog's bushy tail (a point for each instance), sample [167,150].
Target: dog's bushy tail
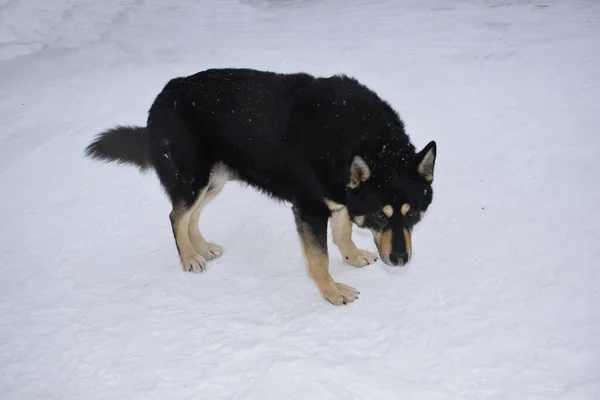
[123,144]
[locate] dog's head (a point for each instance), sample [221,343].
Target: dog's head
[389,196]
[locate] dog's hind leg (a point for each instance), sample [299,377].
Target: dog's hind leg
[207,250]
[180,217]
[185,165]
[184,172]
[341,228]
[312,228]
[194,250]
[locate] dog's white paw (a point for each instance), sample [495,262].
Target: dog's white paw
[338,294]
[360,258]
[209,251]
[193,262]
[213,251]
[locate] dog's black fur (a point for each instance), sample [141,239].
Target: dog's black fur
[294,137]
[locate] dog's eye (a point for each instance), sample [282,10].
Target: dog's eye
[380,216]
[410,214]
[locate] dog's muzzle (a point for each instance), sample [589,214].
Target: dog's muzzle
[392,258]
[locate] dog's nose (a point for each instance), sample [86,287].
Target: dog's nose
[399,259]
[405,257]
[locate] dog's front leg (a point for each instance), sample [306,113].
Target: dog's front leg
[312,228]
[341,228]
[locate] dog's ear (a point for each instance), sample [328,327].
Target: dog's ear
[359,172]
[426,161]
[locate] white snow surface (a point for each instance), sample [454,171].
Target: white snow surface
[500,301]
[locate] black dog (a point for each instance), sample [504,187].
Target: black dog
[330,146]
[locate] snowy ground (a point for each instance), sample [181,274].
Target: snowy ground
[501,300]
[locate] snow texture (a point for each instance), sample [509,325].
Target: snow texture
[501,299]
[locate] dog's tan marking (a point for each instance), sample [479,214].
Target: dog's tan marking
[341,227]
[385,242]
[408,241]
[422,214]
[359,172]
[359,220]
[388,210]
[333,206]
[318,269]
[405,208]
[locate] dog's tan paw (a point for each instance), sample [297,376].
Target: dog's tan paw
[209,251]
[213,251]
[338,294]
[192,262]
[360,258]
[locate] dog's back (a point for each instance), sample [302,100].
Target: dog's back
[234,106]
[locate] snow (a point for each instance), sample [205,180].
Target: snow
[500,301]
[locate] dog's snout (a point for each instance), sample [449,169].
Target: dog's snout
[393,253]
